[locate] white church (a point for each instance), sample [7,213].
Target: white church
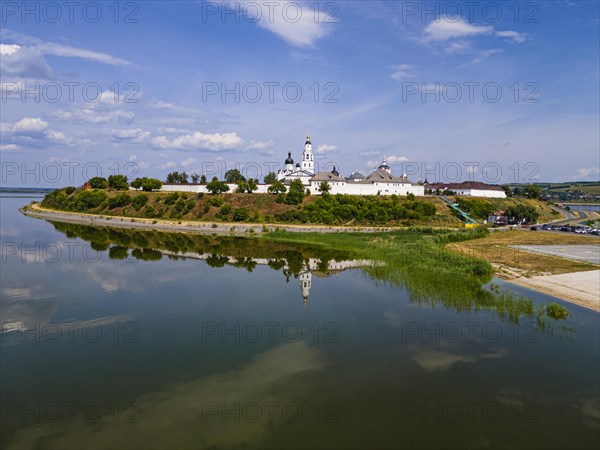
[380,182]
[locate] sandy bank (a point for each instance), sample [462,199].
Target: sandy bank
[582,288]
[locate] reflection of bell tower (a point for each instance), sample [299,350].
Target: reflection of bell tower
[308,162]
[305,284]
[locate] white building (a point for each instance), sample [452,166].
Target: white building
[380,182]
[304,171]
[469,189]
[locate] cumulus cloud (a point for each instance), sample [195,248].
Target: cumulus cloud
[324,149]
[454,32]
[589,173]
[30,131]
[445,28]
[294,22]
[188,162]
[402,72]
[199,141]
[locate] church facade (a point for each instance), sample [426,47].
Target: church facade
[380,182]
[304,170]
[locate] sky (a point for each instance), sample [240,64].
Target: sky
[448,91]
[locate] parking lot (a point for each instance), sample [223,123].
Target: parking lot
[587,253]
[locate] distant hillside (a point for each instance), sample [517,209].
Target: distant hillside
[24,190]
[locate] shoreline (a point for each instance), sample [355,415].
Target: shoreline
[579,288]
[564,286]
[237,228]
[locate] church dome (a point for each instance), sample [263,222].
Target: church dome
[289,159]
[308,140]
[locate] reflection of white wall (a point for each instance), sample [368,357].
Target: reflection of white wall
[305,277]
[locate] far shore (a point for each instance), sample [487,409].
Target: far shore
[581,288]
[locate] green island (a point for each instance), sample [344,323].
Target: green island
[412,253]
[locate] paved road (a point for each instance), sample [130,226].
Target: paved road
[587,253]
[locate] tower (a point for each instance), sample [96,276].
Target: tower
[308,162]
[289,162]
[384,166]
[305,284]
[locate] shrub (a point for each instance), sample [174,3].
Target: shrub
[171,198]
[241,215]
[119,201]
[139,201]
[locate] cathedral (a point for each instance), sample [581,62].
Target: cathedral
[304,171]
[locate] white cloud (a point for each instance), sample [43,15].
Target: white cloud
[199,141]
[514,36]
[134,135]
[370,153]
[30,131]
[589,174]
[91,115]
[188,162]
[323,149]
[9,148]
[294,22]
[445,28]
[30,125]
[50,48]
[486,54]
[395,159]
[9,49]
[458,47]
[260,145]
[402,72]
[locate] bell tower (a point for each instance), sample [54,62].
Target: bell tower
[308,162]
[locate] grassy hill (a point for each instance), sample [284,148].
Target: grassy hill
[338,210]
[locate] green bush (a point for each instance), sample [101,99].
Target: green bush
[139,201]
[241,215]
[119,201]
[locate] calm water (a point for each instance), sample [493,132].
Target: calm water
[105,347]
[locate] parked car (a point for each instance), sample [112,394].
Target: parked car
[534,228]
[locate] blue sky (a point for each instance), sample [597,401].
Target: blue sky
[447,91]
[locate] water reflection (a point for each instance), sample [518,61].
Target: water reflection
[301,263]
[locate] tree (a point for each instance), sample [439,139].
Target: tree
[270,178]
[234,176]
[98,183]
[118,182]
[296,193]
[203,179]
[177,178]
[507,190]
[195,178]
[277,188]
[517,191]
[216,186]
[147,184]
[247,186]
[533,191]
[324,188]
